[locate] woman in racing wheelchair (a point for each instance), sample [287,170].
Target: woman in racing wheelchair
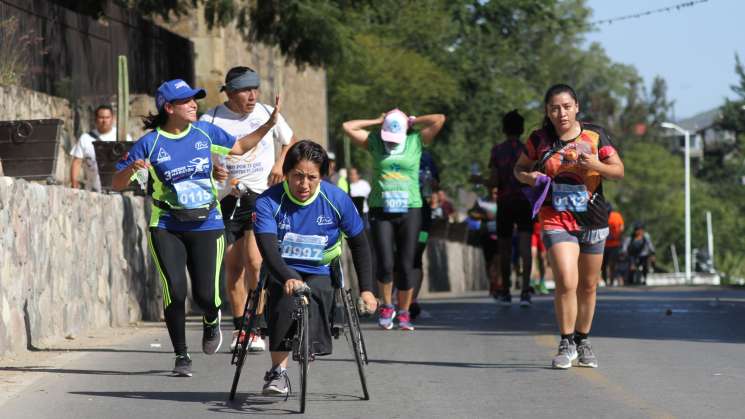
[299,228]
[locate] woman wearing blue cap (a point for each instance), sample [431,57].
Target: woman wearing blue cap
[186,227]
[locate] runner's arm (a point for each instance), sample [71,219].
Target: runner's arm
[269,248]
[432,124]
[122,178]
[524,170]
[245,144]
[355,129]
[276,174]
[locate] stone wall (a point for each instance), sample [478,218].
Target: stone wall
[21,103]
[303,91]
[70,260]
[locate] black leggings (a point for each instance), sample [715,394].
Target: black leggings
[201,252]
[281,306]
[401,231]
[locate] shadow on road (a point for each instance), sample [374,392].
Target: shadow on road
[449,364]
[78,371]
[245,403]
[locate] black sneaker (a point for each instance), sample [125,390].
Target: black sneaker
[211,335]
[525,299]
[183,366]
[276,382]
[505,298]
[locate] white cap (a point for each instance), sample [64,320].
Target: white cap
[394,126]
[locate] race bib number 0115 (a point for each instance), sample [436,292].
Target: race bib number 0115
[395,201]
[194,193]
[569,197]
[301,247]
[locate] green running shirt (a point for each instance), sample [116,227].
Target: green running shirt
[395,185]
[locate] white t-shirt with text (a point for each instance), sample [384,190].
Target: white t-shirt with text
[253,168]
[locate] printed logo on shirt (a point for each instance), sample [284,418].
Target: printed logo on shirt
[162,156]
[199,164]
[201,145]
[324,221]
[284,224]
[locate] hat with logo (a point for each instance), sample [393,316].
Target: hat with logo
[176,89]
[394,127]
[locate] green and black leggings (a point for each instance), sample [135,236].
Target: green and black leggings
[201,253]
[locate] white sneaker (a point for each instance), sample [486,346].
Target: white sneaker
[234,342]
[256,343]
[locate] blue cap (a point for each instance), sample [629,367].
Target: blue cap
[176,89]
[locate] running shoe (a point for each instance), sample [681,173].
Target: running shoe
[256,343]
[404,321]
[211,335]
[183,366]
[239,337]
[386,316]
[567,353]
[525,299]
[505,298]
[586,356]
[276,382]
[541,288]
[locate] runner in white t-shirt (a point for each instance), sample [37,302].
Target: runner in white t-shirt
[248,176]
[359,190]
[83,153]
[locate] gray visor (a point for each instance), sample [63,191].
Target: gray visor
[245,80]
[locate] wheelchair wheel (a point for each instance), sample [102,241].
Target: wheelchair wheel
[248,322]
[356,339]
[304,355]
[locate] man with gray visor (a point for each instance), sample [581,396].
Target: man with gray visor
[248,176]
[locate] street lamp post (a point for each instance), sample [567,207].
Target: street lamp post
[687,159]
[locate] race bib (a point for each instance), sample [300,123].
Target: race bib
[194,193]
[396,201]
[301,247]
[570,197]
[491,226]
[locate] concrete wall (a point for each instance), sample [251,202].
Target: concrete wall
[70,260]
[303,91]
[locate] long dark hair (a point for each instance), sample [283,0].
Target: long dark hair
[306,150]
[552,91]
[153,121]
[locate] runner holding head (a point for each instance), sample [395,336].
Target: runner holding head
[248,175]
[571,158]
[395,201]
[186,228]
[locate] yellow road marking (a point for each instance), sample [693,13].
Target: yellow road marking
[615,391]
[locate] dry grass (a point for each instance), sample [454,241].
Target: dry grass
[15,52]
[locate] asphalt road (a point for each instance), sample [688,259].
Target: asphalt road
[665,352]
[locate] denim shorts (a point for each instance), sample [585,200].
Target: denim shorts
[589,241]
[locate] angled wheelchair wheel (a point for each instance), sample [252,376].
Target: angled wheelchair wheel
[356,339]
[251,313]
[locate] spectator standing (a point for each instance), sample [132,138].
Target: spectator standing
[83,154]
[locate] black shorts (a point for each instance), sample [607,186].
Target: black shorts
[511,212]
[238,218]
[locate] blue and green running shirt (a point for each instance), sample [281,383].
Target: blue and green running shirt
[310,232]
[181,172]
